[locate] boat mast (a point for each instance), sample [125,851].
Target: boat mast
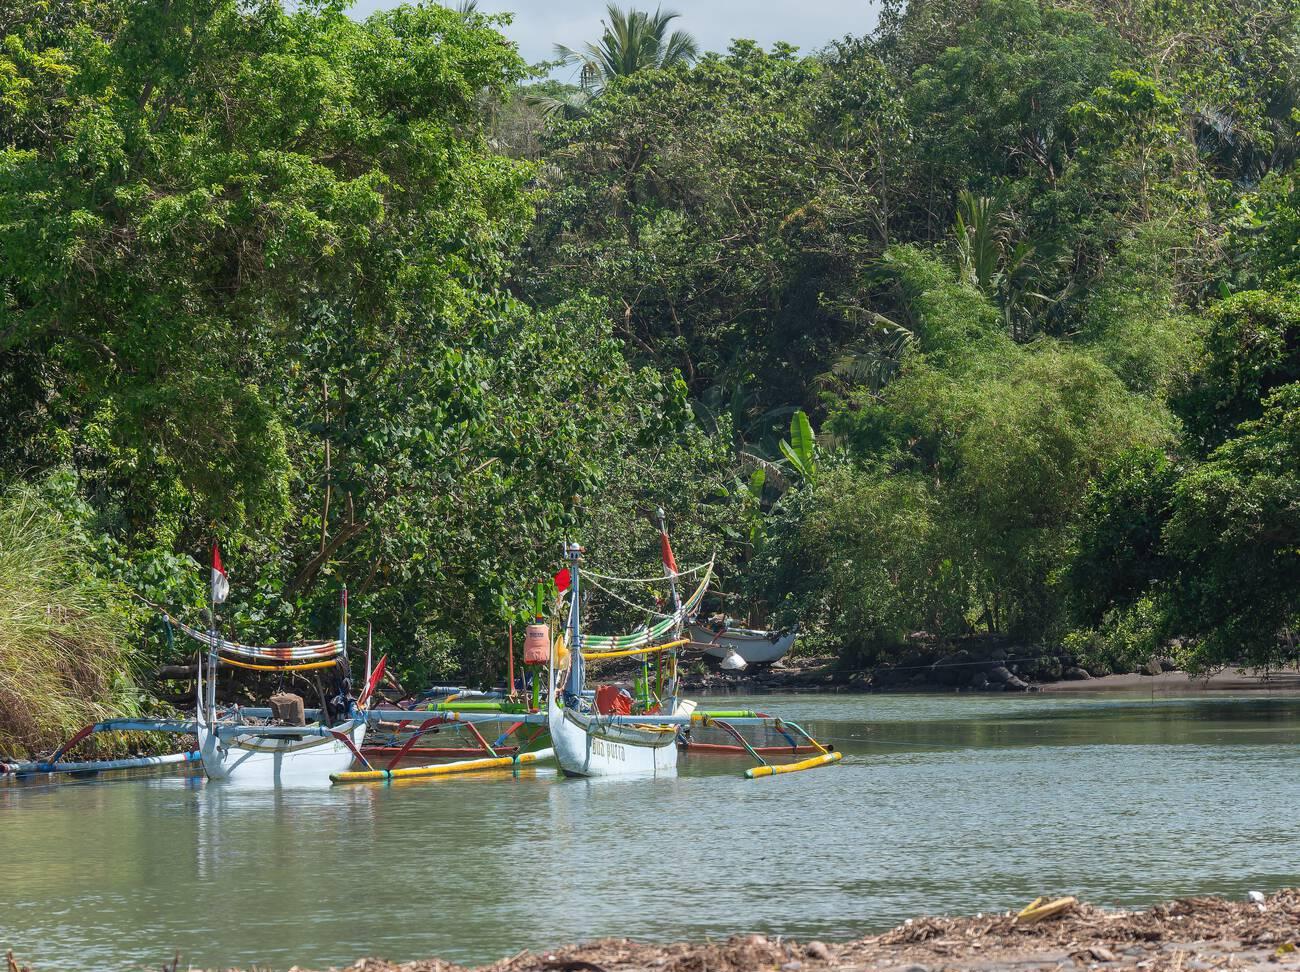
[211,701]
[343,621]
[573,685]
[670,571]
[670,565]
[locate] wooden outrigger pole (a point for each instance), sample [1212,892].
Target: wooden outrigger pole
[97,765]
[56,763]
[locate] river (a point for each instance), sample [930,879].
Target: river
[942,804]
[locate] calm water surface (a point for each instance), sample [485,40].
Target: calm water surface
[942,804]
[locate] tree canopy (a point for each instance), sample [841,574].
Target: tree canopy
[983,321]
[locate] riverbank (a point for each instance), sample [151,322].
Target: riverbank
[997,674]
[1185,935]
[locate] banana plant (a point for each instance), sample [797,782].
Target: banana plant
[800,450]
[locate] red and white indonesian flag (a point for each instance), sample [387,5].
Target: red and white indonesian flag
[666,548]
[220,585]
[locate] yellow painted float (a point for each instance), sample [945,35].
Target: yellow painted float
[443,769]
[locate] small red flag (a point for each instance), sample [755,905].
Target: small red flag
[375,678]
[562,580]
[220,583]
[669,560]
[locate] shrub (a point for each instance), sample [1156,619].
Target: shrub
[63,631]
[1125,639]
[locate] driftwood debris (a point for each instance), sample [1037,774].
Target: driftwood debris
[1180,936]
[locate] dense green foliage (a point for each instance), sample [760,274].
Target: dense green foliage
[347,297]
[1026,265]
[254,269]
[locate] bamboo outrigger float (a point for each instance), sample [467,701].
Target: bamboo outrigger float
[52,765]
[444,769]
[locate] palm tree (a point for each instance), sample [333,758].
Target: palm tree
[988,260]
[632,41]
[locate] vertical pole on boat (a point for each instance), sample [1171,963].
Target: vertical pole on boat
[217,594]
[670,562]
[537,678]
[212,674]
[345,681]
[510,670]
[540,614]
[343,620]
[370,632]
[670,571]
[573,686]
[537,672]
[550,662]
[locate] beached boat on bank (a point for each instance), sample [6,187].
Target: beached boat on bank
[755,647]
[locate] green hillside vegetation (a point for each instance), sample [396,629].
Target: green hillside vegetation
[363,302]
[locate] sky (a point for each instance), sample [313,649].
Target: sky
[808,24]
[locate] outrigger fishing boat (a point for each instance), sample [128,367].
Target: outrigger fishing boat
[599,734]
[292,751]
[232,746]
[586,740]
[254,745]
[593,732]
[261,746]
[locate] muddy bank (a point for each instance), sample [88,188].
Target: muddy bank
[985,665]
[1187,935]
[825,677]
[1175,682]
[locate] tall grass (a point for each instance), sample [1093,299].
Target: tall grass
[64,633]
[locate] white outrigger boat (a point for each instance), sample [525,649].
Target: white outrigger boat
[233,748]
[589,736]
[277,755]
[243,744]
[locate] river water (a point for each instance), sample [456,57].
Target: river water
[942,804]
